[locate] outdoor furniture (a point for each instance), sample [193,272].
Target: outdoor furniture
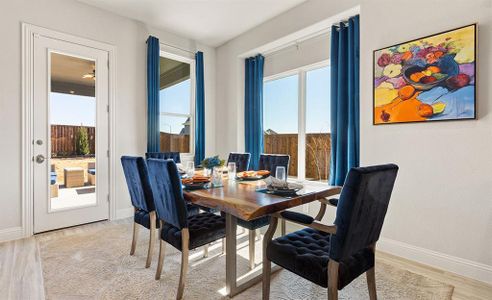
[242,201]
[74,177]
[332,256]
[53,185]
[183,231]
[91,173]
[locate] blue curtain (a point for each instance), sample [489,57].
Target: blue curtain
[199,110]
[153,131]
[344,99]
[253,108]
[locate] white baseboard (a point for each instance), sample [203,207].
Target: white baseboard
[124,213]
[12,233]
[460,266]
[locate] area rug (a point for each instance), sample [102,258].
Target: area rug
[94,263]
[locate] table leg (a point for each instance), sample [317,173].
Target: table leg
[235,285]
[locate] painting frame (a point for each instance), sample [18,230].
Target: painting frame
[475,56]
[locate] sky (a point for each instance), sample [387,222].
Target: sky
[66,109]
[280,103]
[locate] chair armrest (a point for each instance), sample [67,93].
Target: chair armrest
[297,217]
[332,229]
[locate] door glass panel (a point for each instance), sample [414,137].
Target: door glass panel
[280,118]
[72,111]
[318,124]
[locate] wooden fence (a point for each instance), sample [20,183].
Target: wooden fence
[63,139]
[318,146]
[175,143]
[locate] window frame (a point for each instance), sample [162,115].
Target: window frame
[301,109]
[191,61]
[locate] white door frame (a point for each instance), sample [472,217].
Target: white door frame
[29,32]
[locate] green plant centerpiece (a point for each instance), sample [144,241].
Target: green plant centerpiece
[213,161]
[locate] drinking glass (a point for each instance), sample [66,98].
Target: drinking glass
[231,170]
[280,173]
[190,168]
[217,176]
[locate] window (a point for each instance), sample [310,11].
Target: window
[176,106]
[280,114]
[296,120]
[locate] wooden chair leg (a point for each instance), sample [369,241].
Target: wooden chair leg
[332,280]
[152,238]
[185,239]
[135,238]
[252,238]
[267,265]
[371,283]
[283,227]
[205,250]
[160,262]
[223,245]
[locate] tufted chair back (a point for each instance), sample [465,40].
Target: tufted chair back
[241,160]
[168,195]
[361,209]
[164,155]
[137,179]
[270,162]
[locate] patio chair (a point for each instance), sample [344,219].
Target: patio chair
[53,185]
[91,173]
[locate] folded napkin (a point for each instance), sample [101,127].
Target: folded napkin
[274,183]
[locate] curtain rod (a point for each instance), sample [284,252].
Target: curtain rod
[176,47]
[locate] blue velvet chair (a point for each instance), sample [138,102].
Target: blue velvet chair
[137,179]
[332,256]
[268,162]
[164,155]
[241,160]
[178,228]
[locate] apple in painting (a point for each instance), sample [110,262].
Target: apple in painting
[425,110]
[458,81]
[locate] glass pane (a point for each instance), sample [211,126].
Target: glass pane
[318,124]
[280,118]
[175,85]
[72,177]
[175,133]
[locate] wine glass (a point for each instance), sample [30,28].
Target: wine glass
[190,168]
[280,173]
[231,170]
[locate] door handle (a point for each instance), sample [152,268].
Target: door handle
[40,158]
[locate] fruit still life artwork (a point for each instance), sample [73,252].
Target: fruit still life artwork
[428,79]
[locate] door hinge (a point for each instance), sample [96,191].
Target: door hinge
[107,108]
[107,197]
[107,153]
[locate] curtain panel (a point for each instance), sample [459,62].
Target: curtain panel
[344,102]
[199,110]
[153,112]
[253,108]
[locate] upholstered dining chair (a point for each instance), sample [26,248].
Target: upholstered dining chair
[332,256]
[241,160]
[268,162]
[138,183]
[183,231]
[164,155]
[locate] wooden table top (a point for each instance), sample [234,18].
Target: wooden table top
[241,198]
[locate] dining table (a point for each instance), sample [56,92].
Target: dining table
[248,200]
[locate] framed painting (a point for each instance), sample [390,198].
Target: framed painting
[428,79]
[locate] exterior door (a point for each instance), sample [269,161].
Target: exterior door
[70,134]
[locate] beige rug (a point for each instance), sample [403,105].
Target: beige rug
[94,263]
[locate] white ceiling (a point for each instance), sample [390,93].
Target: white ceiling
[211,22]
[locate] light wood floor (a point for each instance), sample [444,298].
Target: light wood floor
[21,275]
